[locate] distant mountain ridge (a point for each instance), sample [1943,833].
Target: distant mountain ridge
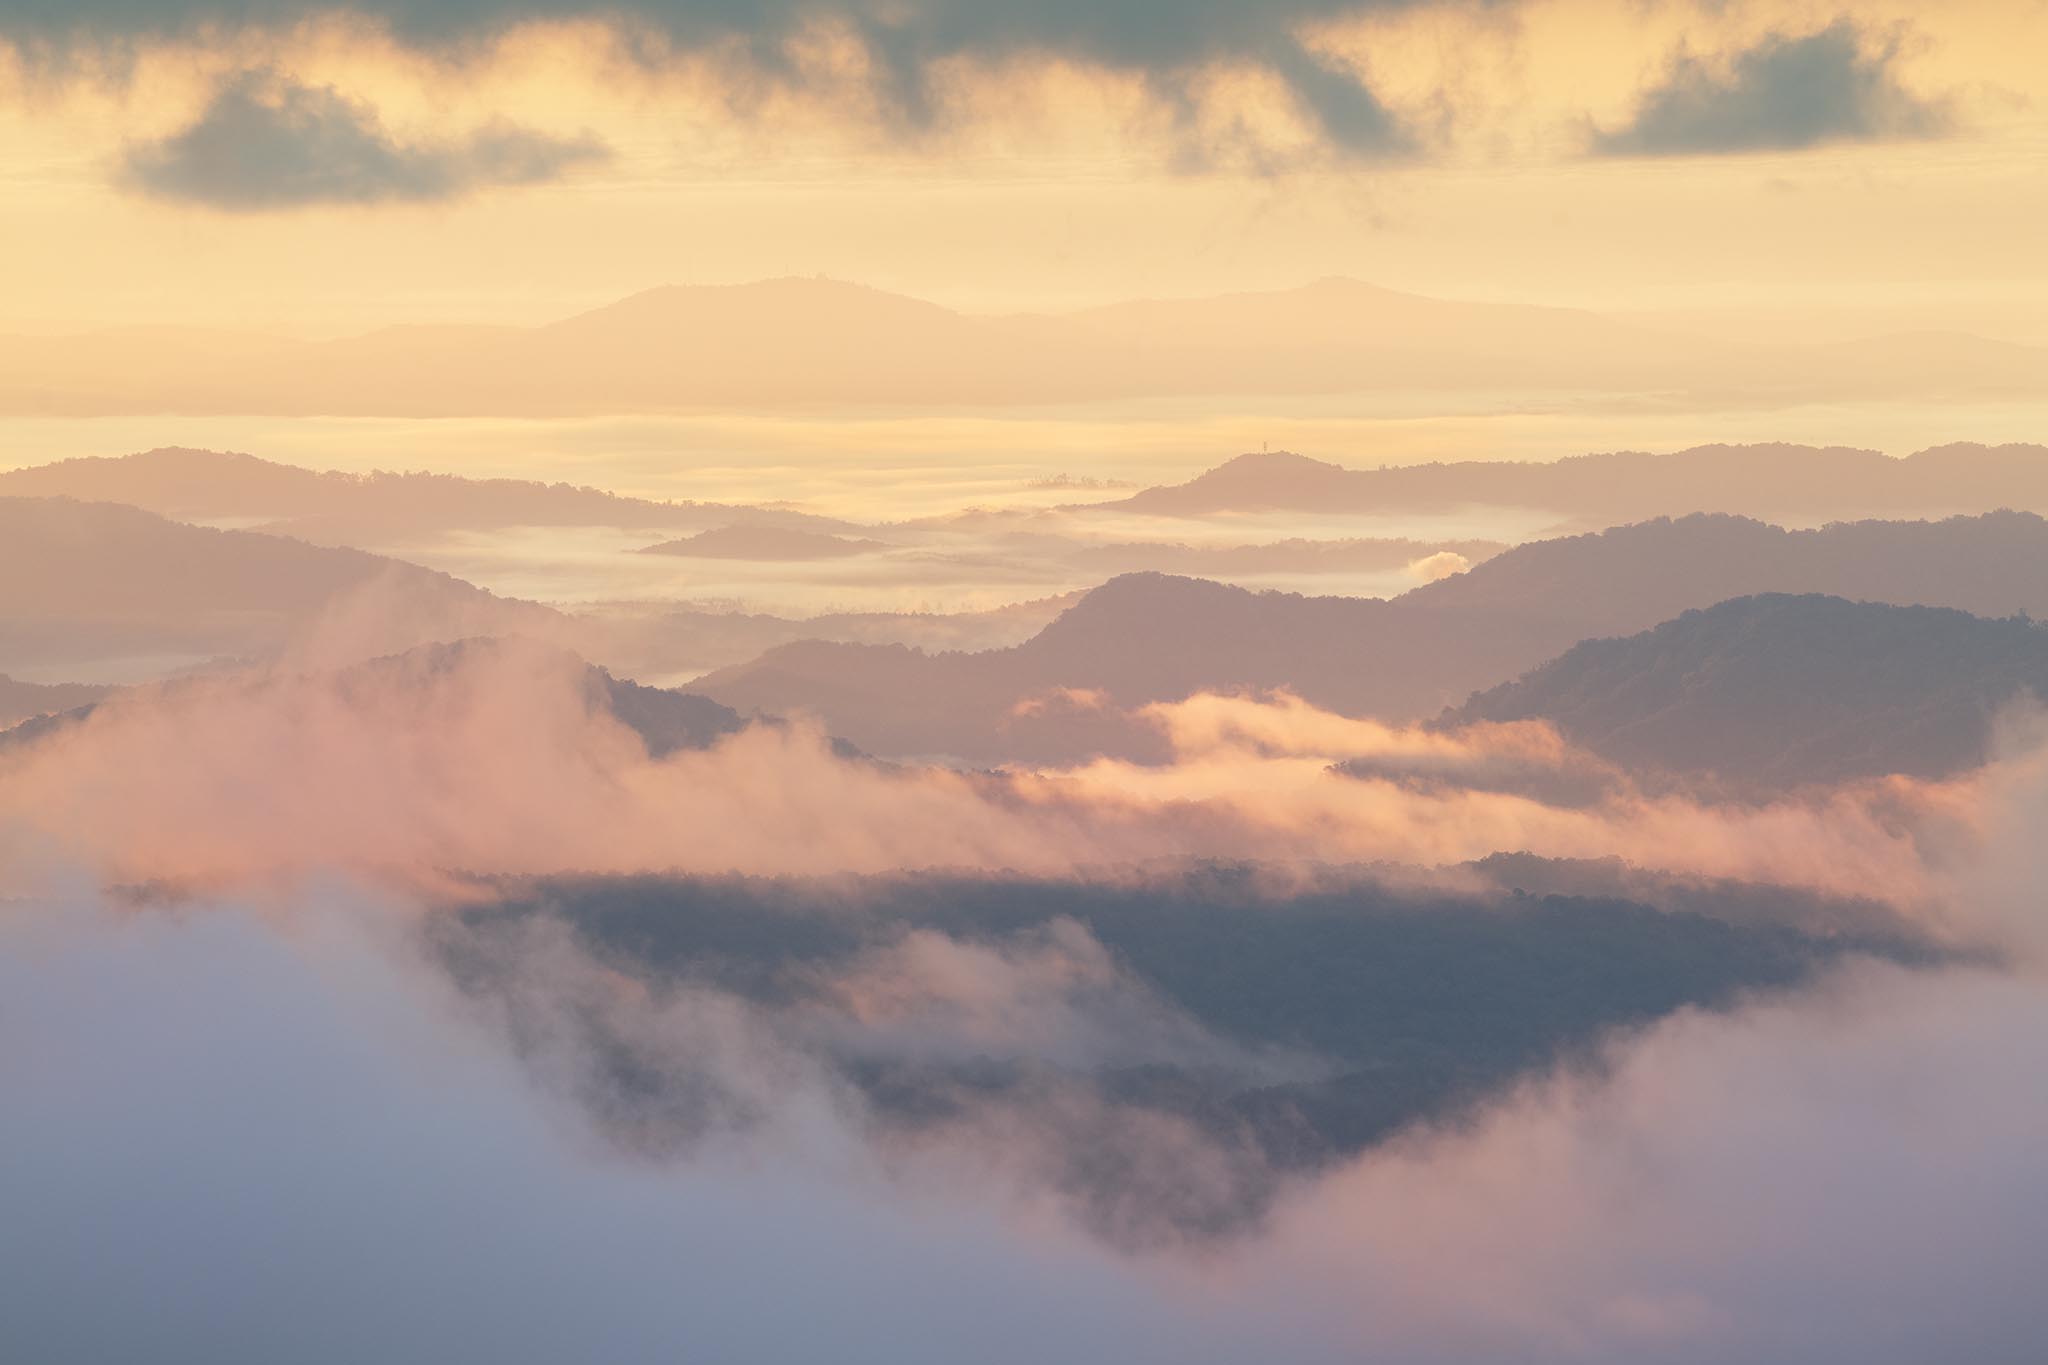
[20,701]
[1779,690]
[666,720]
[331,507]
[797,342]
[767,543]
[1769,481]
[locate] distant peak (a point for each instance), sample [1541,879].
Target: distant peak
[680,302]
[1149,587]
[743,286]
[1274,459]
[1346,284]
[197,455]
[1268,469]
[1139,579]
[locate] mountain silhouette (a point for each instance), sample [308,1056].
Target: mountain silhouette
[333,508]
[1152,637]
[20,701]
[770,543]
[666,720]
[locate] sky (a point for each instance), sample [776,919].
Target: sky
[1823,170]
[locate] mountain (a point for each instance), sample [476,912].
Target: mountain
[1138,638]
[1347,1012]
[1263,481]
[653,639]
[1781,690]
[1636,576]
[771,543]
[97,590]
[20,701]
[1294,555]
[1773,482]
[331,508]
[666,720]
[809,342]
[1150,637]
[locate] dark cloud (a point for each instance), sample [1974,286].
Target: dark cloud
[1784,93]
[1349,114]
[268,143]
[1167,41]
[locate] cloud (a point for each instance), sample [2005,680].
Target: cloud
[1849,1175]
[265,142]
[1054,994]
[187,1183]
[1034,1068]
[500,759]
[495,759]
[1169,43]
[1836,1177]
[1783,94]
[950,1054]
[1442,564]
[1349,114]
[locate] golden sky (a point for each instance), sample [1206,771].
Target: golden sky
[1754,168]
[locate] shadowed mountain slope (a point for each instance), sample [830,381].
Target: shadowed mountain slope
[1781,690]
[1290,1032]
[20,701]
